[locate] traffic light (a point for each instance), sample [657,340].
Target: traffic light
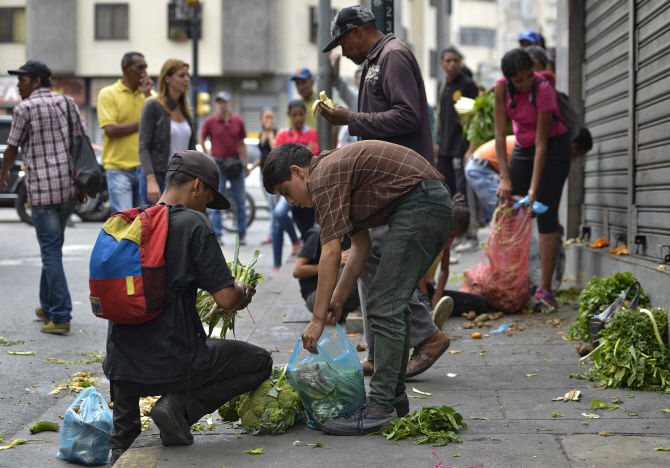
[192,3]
[203,106]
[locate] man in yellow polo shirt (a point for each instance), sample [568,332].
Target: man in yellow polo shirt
[119,110]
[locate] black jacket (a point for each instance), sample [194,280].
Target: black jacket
[155,136]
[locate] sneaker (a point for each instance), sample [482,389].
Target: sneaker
[443,311]
[243,241]
[401,405]
[364,420]
[116,454]
[169,414]
[267,240]
[454,259]
[470,245]
[55,329]
[426,354]
[41,315]
[546,296]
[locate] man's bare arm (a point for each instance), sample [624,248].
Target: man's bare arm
[121,130]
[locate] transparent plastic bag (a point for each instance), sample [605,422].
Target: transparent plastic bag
[83,438]
[504,280]
[329,383]
[599,320]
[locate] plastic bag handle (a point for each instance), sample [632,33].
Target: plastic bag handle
[635,302]
[83,395]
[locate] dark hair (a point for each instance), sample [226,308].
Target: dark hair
[127,59]
[539,54]
[461,213]
[452,50]
[265,109]
[277,167]
[584,140]
[513,62]
[176,179]
[370,26]
[46,80]
[466,71]
[296,103]
[542,42]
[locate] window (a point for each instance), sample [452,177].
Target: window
[179,22]
[12,25]
[478,37]
[111,21]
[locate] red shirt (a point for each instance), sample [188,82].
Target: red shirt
[303,136]
[225,136]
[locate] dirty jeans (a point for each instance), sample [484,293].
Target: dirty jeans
[421,316]
[239,194]
[123,188]
[484,181]
[50,222]
[418,229]
[235,367]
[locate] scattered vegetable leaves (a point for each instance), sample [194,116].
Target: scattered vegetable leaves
[661,449]
[666,410]
[616,401]
[597,404]
[436,424]
[632,414]
[555,415]
[584,423]
[256,451]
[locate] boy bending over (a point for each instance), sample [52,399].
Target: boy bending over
[364,185]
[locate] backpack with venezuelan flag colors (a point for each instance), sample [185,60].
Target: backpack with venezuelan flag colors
[127,268]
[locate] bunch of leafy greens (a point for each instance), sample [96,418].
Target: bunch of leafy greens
[601,292]
[630,355]
[228,411]
[434,425]
[480,128]
[270,409]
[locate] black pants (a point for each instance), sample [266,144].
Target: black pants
[304,218]
[235,367]
[454,178]
[464,302]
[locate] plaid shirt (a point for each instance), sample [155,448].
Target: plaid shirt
[358,186]
[39,126]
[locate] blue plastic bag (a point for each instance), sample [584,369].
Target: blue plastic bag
[83,438]
[329,383]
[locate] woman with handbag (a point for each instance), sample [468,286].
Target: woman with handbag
[166,128]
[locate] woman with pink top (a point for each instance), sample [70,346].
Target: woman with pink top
[540,160]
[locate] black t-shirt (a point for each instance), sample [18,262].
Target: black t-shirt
[311,250]
[450,137]
[264,146]
[159,350]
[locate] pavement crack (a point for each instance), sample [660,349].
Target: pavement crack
[502,410]
[559,441]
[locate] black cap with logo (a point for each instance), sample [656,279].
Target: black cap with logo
[346,19]
[200,166]
[34,67]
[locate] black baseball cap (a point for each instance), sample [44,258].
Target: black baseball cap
[34,67]
[200,166]
[345,20]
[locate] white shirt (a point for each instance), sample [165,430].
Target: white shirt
[180,135]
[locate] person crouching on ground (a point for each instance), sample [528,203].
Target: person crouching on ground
[364,185]
[169,354]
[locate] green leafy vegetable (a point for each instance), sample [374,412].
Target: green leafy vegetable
[263,413]
[481,126]
[434,424]
[584,423]
[599,292]
[616,401]
[10,343]
[597,404]
[256,451]
[228,411]
[666,410]
[554,415]
[630,355]
[630,396]
[207,308]
[661,449]
[632,414]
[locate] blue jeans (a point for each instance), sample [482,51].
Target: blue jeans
[282,222]
[238,192]
[272,201]
[418,229]
[160,178]
[124,188]
[50,222]
[484,181]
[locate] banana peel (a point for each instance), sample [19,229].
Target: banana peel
[322,99]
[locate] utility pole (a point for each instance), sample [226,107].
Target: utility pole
[324,81]
[195,79]
[443,11]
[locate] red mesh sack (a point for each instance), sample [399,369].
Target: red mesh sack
[504,280]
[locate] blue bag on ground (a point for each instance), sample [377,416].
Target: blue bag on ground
[329,383]
[83,438]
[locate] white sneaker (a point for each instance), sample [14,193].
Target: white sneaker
[470,245]
[443,311]
[453,259]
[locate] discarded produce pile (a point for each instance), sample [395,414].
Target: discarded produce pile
[207,308]
[598,294]
[434,424]
[633,352]
[270,409]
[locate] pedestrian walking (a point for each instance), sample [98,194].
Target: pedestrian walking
[299,133]
[266,143]
[540,160]
[169,355]
[360,186]
[40,128]
[119,111]
[226,133]
[166,128]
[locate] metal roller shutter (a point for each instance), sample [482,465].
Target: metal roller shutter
[651,209]
[606,114]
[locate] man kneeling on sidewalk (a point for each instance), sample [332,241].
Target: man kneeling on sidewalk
[360,186]
[169,355]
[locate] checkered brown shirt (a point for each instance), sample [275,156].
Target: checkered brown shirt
[358,186]
[39,126]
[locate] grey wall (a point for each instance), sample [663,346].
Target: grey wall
[249,36]
[52,34]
